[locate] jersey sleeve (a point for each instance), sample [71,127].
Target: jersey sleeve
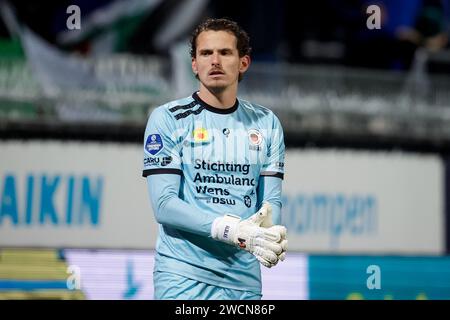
[274,164]
[270,189]
[161,149]
[170,210]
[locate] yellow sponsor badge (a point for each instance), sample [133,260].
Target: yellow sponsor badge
[200,135]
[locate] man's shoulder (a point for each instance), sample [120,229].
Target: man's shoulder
[169,109]
[256,108]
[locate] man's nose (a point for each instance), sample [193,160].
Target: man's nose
[215,59]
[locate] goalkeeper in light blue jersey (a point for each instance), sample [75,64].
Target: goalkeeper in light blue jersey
[214,165]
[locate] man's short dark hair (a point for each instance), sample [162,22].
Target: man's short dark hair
[243,40]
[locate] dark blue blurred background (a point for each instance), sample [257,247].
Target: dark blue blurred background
[321,31]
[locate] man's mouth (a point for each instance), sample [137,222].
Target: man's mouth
[216,73]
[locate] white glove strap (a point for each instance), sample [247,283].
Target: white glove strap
[225,228]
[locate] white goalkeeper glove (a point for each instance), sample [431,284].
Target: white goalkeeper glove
[267,223]
[267,244]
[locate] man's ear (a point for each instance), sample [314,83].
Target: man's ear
[245,63]
[194,66]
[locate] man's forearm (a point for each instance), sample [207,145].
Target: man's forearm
[269,189]
[172,211]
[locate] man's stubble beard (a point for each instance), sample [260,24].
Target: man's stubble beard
[217,89]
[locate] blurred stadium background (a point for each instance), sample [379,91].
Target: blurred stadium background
[366,114]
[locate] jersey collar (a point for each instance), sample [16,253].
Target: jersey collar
[214,109]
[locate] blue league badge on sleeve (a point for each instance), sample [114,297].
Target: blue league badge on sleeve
[154,144]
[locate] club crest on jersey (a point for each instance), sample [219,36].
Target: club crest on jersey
[154,144]
[255,139]
[200,135]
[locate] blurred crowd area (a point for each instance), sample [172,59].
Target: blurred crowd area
[322,31]
[321,65]
[336,32]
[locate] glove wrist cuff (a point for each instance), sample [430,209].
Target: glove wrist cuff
[225,228]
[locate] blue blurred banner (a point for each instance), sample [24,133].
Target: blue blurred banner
[379,277]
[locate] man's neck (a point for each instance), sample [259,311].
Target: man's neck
[221,100]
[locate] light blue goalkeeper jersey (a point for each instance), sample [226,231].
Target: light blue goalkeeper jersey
[201,163]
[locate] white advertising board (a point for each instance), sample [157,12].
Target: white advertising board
[74,195]
[364,202]
[92,195]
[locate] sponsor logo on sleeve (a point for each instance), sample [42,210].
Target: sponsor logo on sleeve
[157,161]
[154,144]
[279,165]
[166,161]
[148,162]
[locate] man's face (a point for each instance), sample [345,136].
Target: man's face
[217,62]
